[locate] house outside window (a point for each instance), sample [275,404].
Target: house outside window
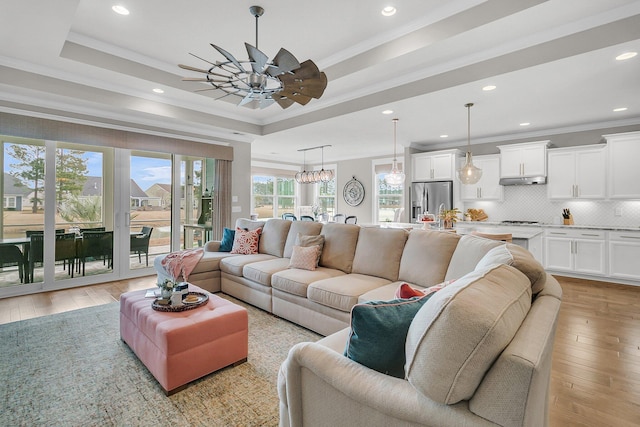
[388,205]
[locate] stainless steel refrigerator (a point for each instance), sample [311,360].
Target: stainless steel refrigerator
[427,196]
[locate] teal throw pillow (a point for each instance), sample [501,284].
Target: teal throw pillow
[379,331]
[227,240]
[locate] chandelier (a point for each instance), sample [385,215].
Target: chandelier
[313,177]
[469,174]
[396,177]
[283,80]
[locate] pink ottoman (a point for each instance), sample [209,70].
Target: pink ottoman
[181,347]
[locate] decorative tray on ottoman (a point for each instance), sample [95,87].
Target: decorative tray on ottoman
[201,298]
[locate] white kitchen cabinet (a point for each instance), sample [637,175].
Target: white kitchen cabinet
[488,188]
[623,173]
[434,165]
[624,255]
[577,172]
[526,159]
[575,251]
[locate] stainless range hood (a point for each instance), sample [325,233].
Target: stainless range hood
[524,180]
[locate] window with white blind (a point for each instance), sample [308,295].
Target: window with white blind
[388,202]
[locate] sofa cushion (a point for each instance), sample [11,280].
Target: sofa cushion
[426,256]
[379,331]
[247,224]
[295,281]
[463,328]
[342,292]
[468,253]
[305,257]
[262,271]
[306,228]
[339,246]
[378,252]
[274,236]
[519,258]
[303,240]
[246,242]
[226,244]
[235,264]
[210,261]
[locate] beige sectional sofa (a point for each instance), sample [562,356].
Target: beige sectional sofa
[477,353]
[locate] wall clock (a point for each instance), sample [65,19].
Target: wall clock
[353,192]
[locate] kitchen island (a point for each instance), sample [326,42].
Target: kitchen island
[528,237]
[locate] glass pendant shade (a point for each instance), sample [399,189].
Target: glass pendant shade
[395,178]
[469,173]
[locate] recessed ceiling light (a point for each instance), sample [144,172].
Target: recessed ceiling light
[387,112]
[444,136]
[626,55]
[118,8]
[389,11]
[158,90]
[525,124]
[488,88]
[620,109]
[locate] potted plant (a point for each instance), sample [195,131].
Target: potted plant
[449,216]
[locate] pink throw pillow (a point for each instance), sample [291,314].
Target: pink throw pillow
[246,241]
[304,257]
[405,291]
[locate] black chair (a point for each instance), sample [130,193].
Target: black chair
[139,243]
[96,245]
[289,216]
[82,230]
[13,256]
[351,219]
[306,218]
[65,250]
[339,218]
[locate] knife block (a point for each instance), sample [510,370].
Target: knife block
[568,221]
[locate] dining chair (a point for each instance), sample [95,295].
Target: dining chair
[339,218]
[82,230]
[11,255]
[351,219]
[139,243]
[96,245]
[289,216]
[65,250]
[306,218]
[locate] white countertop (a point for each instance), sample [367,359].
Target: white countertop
[475,224]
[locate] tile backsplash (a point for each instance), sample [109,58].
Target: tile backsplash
[530,203]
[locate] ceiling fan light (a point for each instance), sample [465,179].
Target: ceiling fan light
[469,173]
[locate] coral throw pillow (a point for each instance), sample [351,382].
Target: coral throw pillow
[304,257]
[405,291]
[245,242]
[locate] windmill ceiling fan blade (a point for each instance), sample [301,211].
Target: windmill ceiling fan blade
[258,59]
[296,96]
[306,80]
[197,70]
[229,57]
[283,101]
[283,62]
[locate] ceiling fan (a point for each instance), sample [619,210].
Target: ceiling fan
[283,80]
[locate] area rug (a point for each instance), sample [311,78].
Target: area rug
[72,369]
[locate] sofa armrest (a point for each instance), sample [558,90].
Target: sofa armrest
[318,386]
[212,246]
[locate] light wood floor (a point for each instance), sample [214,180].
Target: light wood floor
[595,379]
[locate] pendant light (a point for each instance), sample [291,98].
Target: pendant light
[469,174]
[314,177]
[395,178]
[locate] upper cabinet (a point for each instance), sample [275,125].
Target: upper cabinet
[577,172]
[434,165]
[624,175]
[488,188]
[523,160]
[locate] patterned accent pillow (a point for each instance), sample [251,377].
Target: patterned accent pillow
[304,257]
[245,242]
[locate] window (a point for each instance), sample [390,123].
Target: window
[326,196]
[388,201]
[273,191]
